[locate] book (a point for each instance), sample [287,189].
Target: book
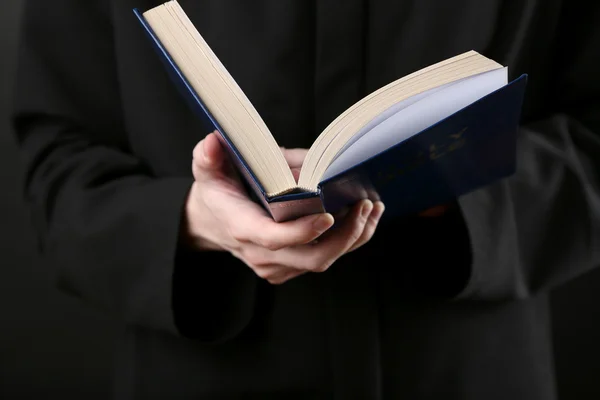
[419,141]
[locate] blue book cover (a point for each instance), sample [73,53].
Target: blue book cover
[472,148]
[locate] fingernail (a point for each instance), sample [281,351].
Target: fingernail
[366,209]
[323,222]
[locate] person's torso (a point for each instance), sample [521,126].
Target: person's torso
[302,63]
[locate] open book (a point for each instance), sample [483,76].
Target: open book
[398,144]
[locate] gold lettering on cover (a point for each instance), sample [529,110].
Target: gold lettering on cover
[436,151]
[458,135]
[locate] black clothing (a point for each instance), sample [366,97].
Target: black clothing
[445,308]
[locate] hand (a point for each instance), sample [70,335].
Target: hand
[220,216]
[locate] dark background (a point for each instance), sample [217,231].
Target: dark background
[53,346]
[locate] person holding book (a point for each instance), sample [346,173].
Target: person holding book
[142,213]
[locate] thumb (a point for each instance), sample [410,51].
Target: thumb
[209,154]
[211,161]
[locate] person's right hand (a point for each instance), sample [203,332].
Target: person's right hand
[220,216]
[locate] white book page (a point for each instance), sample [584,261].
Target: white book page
[388,113]
[416,117]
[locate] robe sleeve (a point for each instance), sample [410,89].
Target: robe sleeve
[541,227]
[107,225]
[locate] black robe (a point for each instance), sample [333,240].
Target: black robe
[453,307]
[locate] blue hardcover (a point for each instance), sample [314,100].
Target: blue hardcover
[471,148]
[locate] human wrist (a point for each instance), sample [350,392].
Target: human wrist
[190,234]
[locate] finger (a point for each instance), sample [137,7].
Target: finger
[277,274]
[370,226]
[270,271]
[294,157]
[209,154]
[291,274]
[255,226]
[320,256]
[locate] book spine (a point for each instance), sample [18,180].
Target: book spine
[289,209]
